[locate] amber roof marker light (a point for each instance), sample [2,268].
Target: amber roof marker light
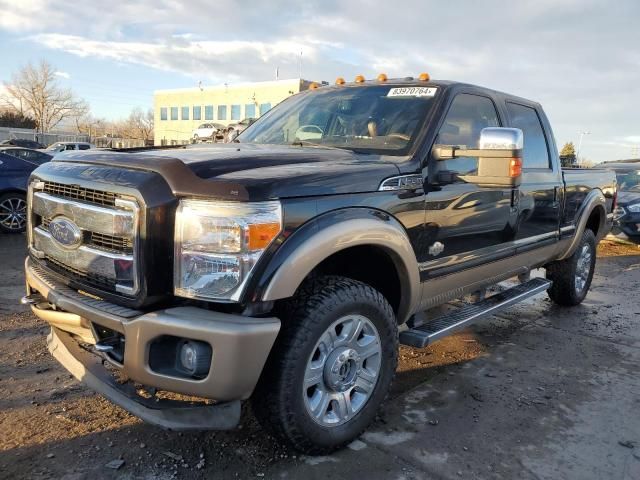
[359,79]
[340,81]
[424,77]
[382,77]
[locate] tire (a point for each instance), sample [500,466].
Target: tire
[351,380]
[13,213]
[572,276]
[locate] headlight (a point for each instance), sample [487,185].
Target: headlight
[217,244]
[618,212]
[635,208]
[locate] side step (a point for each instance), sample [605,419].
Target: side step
[447,324]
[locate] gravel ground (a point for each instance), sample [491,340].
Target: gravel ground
[53,427]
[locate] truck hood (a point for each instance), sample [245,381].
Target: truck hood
[252,172]
[625,197]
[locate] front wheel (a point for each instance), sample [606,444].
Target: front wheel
[331,367]
[572,276]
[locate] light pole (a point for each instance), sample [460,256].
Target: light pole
[582,134]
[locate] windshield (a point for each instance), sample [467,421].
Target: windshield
[628,180]
[381,119]
[55,147]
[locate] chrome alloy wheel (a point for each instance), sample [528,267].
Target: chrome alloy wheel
[342,371]
[583,268]
[13,214]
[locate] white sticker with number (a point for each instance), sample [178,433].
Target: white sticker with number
[412,92]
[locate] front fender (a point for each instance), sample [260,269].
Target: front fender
[335,231]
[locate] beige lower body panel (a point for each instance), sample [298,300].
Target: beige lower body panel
[443,289]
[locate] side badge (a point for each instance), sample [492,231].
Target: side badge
[436,249]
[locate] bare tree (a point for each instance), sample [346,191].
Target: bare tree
[34,91]
[140,124]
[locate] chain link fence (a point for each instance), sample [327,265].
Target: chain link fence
[46,139]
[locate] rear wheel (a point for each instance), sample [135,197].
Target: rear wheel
[331,367]
[572,276]
[13,213]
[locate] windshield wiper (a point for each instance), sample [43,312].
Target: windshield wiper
[305,143]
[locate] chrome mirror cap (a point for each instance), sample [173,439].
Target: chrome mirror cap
[500,138]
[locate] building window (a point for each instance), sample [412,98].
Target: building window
[197,113]
[222,112]
[208,112]
[174,113]
[250,110]
[235,112]
[185,113]
[163,113]
[264,108]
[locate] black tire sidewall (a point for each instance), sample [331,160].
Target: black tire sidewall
[280,391]
[341,433]
[562,273]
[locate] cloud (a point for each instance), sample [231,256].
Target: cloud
[62,74]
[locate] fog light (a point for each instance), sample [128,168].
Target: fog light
[194,357]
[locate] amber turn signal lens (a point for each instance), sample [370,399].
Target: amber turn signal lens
[424,77]
[313,86]
[340,81]
[515,167]
[260,235]
[382,77]
[359,79]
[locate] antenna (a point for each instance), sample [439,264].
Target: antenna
[277,73]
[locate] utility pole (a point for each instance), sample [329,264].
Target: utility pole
[582,134]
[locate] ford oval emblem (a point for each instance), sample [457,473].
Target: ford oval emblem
[65,232]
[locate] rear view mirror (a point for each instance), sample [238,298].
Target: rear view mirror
[499,157]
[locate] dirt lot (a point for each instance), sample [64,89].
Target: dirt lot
[53,427]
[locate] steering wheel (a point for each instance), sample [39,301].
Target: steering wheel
[310,128]
[401,136]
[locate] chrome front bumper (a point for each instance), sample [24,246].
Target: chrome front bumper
[240,344]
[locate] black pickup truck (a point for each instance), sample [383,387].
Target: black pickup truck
[286,267]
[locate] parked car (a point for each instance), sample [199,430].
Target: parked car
[21,142]
[287,270]
[209,131]
[62,146]
[235,129]
[16,164]
[627,214]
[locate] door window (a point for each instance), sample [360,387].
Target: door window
[536,153]
[466,118]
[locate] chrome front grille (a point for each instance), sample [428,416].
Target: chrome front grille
[106,255]
[77,192]
[109,242]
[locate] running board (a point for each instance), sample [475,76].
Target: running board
[447,324]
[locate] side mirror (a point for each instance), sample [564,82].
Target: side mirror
[499,157]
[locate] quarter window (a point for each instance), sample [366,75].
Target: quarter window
[197,113]
[235,112]
[466,118]
[163,113]
[536,153]
[185,113]
[208,112]
[222,112]
[174,113]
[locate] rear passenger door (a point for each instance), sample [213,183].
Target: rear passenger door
[540,192]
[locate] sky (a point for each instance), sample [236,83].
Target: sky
[579,58]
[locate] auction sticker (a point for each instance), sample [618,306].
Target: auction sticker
[412,92]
